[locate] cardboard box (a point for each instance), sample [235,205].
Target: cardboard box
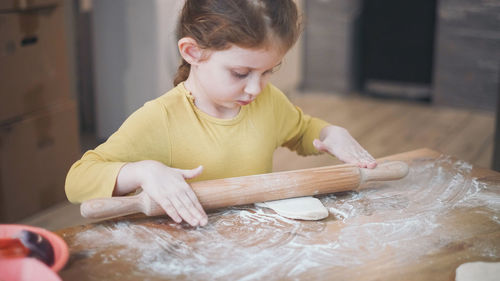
[33,61]
[35,155]
[19,5]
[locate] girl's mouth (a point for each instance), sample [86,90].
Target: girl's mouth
[240,102]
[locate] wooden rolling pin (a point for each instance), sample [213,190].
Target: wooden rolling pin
[236,191]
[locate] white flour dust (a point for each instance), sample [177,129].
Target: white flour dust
[400,221]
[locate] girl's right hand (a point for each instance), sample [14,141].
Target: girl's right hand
[167,186]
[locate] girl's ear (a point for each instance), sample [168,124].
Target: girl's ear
[189,50]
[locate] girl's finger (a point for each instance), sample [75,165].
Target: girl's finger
[320,146]
[195,201]
[368,160]
[186,200]
[197,205]
[361,164]
[189,174]
[170,210]
[183,211]
[367,155]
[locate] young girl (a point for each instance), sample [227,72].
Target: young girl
[222,114]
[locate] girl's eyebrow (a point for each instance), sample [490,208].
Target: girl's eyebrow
[252,68]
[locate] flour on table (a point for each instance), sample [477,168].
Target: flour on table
[303,208]
[388,225]
[478,271]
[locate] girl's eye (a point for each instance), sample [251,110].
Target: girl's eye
[269,72]
[276,68]
[239,75]
[273,70]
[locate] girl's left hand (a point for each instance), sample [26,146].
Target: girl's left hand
[338,142]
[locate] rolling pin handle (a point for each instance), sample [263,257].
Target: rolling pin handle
[384,172]
[100,208]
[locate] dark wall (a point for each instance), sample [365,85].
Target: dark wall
[496,141]
[467,54]
[330,45]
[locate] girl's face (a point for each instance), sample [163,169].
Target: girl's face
[231,78]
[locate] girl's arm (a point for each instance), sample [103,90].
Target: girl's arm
[299,132]
[167,186]
[118,167]
[338,142]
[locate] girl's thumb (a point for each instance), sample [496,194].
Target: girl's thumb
[189,174]
[320,146]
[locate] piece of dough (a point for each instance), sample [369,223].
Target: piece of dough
[303,208]
[478,271]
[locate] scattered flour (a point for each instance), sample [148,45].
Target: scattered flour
[399,220]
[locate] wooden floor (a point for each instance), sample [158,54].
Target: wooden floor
[385,127]
[382,126]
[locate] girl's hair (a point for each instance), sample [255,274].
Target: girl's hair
[217,24]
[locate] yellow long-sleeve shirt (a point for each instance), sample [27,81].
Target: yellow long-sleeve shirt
[172,130]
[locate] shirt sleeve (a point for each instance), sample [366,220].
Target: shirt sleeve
[297,130]
[94,175]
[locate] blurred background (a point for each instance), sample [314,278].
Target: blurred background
[399,75]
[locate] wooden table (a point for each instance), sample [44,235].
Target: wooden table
[443,214]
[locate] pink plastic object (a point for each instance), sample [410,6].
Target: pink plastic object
[26,269]
[60,247]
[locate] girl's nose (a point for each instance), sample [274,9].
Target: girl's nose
[254,87]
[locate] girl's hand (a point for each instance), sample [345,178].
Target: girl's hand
[167,186]
[338,142]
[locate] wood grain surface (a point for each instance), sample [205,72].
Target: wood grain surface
[461,232]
